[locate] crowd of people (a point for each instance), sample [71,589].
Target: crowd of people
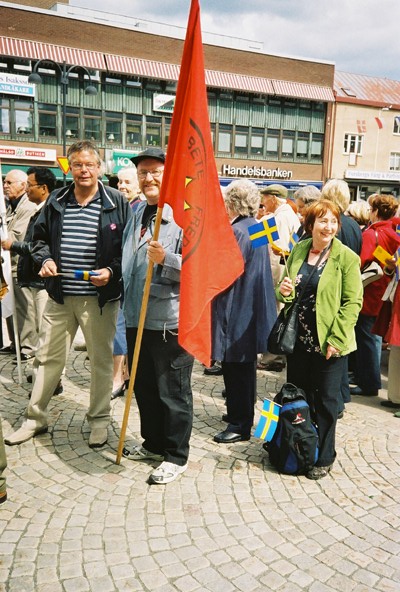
[79,259]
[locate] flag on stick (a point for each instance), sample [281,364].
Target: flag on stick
[397,228]
[293,240]
[397,260]
[263,232]
[211,258]
[268,420]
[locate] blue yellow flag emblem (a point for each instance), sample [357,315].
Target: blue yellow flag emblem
[268,420]
[263,232]
[397,259]
[293,240]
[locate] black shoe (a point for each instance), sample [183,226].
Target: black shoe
[225,418]
[213,370]
[59,389]
[24,358]
[356,390]
[8,349]
[29,378]
[340,414]
[3,497]
[226,437]
[119,392]
[223,393]
[390,404]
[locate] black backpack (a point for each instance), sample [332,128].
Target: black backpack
[294,446]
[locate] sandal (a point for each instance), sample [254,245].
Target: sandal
[318,472]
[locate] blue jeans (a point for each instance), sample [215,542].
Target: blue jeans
[163,393]
[368,355]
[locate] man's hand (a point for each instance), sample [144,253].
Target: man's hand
[6,244]
[49,268]
[101,278]
[155,252]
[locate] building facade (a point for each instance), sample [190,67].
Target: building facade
[270,115]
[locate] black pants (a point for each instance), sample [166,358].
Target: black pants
[321,380]
[163,394]
[240,380]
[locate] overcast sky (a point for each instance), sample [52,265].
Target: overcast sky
[359,36]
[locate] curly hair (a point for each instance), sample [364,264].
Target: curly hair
[242,197]
[385,206]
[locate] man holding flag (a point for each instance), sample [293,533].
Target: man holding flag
[210,262]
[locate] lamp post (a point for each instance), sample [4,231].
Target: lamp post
[64,71]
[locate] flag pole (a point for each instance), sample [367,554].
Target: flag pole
[138,342]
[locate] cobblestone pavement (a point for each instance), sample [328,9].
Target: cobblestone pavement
[76,522]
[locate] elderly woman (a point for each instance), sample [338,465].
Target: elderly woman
[304,197]
[328,313]
[243,316]
[368,356]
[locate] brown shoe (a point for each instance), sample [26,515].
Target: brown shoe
[318,472]
[3,497]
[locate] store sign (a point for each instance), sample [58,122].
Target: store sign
[15,84]
[164,103]
[121,159]
[255,172]
[21,153]
[372,175]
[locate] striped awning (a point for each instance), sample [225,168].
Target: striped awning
[303,91]
[39,51]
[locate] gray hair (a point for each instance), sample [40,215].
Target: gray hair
[337,191]
[242,198]
[307,194]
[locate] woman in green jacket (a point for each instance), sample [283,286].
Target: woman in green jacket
[328,313]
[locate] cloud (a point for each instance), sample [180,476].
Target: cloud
[360,36]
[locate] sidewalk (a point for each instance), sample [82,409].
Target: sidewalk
[76,522]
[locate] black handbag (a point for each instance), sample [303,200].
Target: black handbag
[283,336]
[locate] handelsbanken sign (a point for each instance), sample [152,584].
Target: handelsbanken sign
[252,171]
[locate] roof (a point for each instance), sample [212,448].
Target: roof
[153,69]
[367,90]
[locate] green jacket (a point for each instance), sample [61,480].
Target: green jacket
[339,295]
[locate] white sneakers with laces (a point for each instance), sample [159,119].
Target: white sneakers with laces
[166,473]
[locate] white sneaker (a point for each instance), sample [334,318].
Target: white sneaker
[137,452]
[166,473]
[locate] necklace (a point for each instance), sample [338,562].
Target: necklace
[315,251]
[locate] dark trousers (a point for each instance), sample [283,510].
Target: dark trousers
[368,355]
[320,379]
[163,394]
[240,380]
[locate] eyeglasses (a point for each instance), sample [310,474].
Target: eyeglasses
[78,166]
[29,185]
[156,173]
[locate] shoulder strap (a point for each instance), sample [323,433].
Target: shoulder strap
[303,289]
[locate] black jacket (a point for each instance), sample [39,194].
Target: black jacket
[114,215]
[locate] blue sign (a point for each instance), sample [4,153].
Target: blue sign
[15,84]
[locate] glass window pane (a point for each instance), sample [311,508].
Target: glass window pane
[153,135]
[224,142]
[47,124]
[4,116]
[92,129]
[113,131]
[72,127]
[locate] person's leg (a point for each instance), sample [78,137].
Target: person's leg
[368,355]
[240,382]
[26,319]
[3,465]
[98,327]
[146,393]
[394,374]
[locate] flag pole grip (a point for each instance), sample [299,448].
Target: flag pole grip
[138,342]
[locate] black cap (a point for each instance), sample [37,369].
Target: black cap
[156,153]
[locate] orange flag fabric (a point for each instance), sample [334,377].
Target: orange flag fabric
[211,258]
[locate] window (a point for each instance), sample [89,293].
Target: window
[225,139]
[153,131]
[113,127]
[23,113]
[241,140]
[4,116]
[272,143]
[257,141]
[396,125]
[394,161]
[72,123]
[92,124]
[167,131]
[287,144]
[302,144]
[47,120]
[317,145]
[353,144]
[134,130]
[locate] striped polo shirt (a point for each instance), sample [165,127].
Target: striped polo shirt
[78,244]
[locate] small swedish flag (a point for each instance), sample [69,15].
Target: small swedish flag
[268,420]
[263,232]
[293,240]
[397,259]
[397,228]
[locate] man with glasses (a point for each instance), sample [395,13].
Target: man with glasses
[79,229]
[162,385]
[40,184]
[18,214]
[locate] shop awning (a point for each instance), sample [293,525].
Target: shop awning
[38,51]
[302,91]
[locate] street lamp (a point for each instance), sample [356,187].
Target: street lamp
[35,78]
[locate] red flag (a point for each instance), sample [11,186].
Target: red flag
[211,258]
[379,122]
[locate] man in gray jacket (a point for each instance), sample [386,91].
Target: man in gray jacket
[162,385]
